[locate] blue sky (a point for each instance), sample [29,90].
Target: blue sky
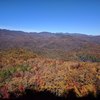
[74,16]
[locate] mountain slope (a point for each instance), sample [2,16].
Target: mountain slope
[55,45]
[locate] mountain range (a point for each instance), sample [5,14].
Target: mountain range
[67,46]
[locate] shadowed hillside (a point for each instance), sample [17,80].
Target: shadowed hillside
[46,95]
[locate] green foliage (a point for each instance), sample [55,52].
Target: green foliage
[24,67]
[5,74]
[90,58]
[12,70]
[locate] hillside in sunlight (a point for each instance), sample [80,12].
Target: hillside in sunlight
[54,65]
[21,70]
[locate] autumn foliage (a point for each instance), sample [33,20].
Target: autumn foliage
[21,69]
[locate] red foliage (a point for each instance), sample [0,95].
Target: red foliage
[18,75]
[4,92]
[21,88]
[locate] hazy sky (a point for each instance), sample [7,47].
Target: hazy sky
[75,16]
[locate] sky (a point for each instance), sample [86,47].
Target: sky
[73,16]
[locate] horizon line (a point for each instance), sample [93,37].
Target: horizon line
[22,30]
